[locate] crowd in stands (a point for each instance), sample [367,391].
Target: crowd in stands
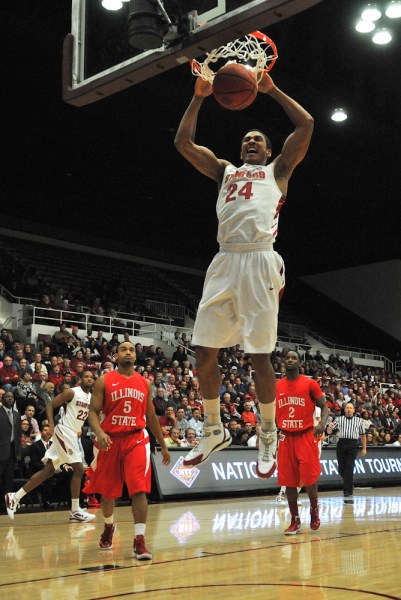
[35,377]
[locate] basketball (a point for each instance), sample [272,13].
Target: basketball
[235,86]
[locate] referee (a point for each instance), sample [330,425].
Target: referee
[350,429]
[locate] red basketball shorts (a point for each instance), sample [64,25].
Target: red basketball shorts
[298,458]
[127,461]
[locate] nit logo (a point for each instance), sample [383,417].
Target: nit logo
[186,475]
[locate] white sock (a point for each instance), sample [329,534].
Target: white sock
[20,494]
[109,520]
[74,504]
[140,529]
[212,411]
[268,414]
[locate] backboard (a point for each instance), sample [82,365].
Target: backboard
[99,60]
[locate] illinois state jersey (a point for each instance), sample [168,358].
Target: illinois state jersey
[295,403]
[73,414]
[125,401]
[248,205]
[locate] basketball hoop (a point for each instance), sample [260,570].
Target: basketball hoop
[256,51]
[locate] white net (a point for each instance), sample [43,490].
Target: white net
[255,50]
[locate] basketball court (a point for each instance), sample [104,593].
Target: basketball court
[222,548]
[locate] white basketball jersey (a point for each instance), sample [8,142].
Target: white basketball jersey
[248,205]
[75,413]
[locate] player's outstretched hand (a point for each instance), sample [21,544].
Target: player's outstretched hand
[266,84]
[202,88]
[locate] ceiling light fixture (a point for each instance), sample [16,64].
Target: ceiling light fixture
[382,36]
[339,115]
[365,26]
[393,10]
[371,13]
[112,4]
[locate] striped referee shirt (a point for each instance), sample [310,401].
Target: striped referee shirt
[349,428]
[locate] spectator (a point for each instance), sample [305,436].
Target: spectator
[160,402]
[173,441]
[29,415]
[27,439]
[196,423]
[190,438]
[168,420]
[234,428]
[39,359]
[24,390]
[253,441]
[90,363]
[46,313]
[24,367]
[2,352]
[180,355]
[7,339]
[55,375]
[248,416]
[10,443]
[180,421]
[8,375]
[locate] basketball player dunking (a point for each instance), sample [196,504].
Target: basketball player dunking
[246,278]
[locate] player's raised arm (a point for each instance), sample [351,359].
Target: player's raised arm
[203,159]
[297,143]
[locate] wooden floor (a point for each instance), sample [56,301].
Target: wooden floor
[223,549]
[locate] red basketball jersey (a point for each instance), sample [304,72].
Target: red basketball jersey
[295,403]
[125,402]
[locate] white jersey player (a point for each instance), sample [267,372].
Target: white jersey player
[64,449]
[245,279]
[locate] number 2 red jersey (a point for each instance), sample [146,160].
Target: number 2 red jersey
[295,403]
[125,402]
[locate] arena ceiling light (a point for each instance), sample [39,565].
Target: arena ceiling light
[382,36]
[339,115]
[371,13]
[112,4]
[365,26]
[393,10]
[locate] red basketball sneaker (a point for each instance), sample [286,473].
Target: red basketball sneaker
[139,550]
[314,518]
[106,539]
[294,527]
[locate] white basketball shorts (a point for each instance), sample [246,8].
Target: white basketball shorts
[64,448]
[240,299]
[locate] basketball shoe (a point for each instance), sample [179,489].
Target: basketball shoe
[93,502]
[139,550]
[11,504]
[281,497]
[106,539]
[267,455]
[214,437]
[294,527]
[314,518]
[347,500]
[81,516]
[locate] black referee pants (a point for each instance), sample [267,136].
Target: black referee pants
[347,451]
